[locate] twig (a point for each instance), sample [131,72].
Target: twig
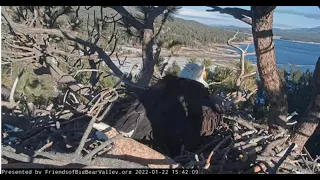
[257,139]
[215,149]
[248,133]
[43,148]
[103,145]
[225,154]
[26,158]
[277,165]
[296,168]
[60,33]
[305,162]
[241,121]
[282,152]
[11,98]
[307,152]
[103,94]
[207,145]
[260,126]
[121,64]
[35,136]
[66,159]
[86,134]
[268,149]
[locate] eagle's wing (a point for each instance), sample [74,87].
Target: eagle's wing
[211,121]
[204,116]
[128,123]
[151,111]
[172,113]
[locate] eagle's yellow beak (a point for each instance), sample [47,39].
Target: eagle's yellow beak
[204,75]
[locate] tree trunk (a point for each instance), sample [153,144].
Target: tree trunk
[147,58]
[308,124]
[262,24]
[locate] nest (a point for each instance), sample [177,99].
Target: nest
[75,136]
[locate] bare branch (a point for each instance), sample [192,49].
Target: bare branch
[249,75]
[232,45]
[166,15]
[115,43]
[64,78]
[215,149]
[60,33]
[251,93]
[282,159]
[18,53]
[113,34]
[86,134]
[121,64]
[246,49]
[269,149]
[128,17]
[250,54]
[23,59]
[216,83]
[239,95]
[241,121]
[103,145]
[238,13]
[35,12]
[18,47]
[11,98]
[157,11]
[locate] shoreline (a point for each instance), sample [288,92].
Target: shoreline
[279,38]
[305,42]
[251,42]
[221,54]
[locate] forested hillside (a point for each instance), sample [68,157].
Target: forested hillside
[192,33]
[305,34]
[188,32]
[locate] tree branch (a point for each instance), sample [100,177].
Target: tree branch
[239,95]
[94,48]
[229,42]
[127,16]
[238,13]
[157,11]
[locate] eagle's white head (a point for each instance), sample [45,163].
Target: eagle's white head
[196,72]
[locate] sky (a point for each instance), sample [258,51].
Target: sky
[285,17]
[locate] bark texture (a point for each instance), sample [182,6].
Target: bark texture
[147,58]
[262,24]
[308,124]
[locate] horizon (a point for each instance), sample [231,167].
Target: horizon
[285,17]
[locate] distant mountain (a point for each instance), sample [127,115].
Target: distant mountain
[297,34]
[192,32]
[315,30]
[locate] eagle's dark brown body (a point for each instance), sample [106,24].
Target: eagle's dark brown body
[172,113]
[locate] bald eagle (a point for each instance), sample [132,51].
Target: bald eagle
[176,111]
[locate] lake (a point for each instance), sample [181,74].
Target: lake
[303,55]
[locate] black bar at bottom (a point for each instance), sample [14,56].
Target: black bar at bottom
[98,171]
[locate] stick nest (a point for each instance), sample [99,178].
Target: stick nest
[66,136]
